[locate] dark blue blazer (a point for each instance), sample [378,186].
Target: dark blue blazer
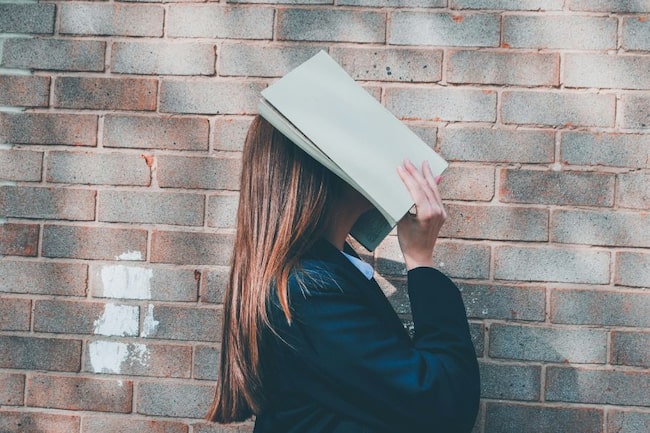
[346,364]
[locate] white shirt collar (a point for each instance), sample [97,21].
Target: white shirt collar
[364,267]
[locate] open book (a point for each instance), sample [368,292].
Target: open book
[320,108]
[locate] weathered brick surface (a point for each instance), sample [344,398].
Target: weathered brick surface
[607,386]
[512,418]
[503,68]
[392,64]
[43,278]
[40,353]
[15,315]
[557,187]
[171,399]
[497,145]
[496,222]
[628,422]
[453,104]
[163,58]
[173,133]
[209,97]
[19,239]
[242,59]
[631,348]
[569,265]
[24,90]
[46,128]
[111,19]
[504,302]
[12,390]
[570,109]
[331,25]
[635,111]
[105,93]
[151,207]
[47,203]
[121,131]
[53,54]
[216,21]
[198,172]
[537,343]
[21,165]
[444,29]
[97,168]
[616,150]
[27,18]
[636,33]
[97,243]
[632,269]
[81,393]
[117,281]
[97,424]
[33,422]
[510,382]
[600,307]
[601,228]
[559,31]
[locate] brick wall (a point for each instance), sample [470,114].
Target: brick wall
[121,125]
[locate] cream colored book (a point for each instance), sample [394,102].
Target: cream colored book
[320,108]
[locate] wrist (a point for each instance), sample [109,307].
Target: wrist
[420,262]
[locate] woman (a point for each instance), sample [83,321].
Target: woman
[310,343]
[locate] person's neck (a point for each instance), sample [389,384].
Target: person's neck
[337,233]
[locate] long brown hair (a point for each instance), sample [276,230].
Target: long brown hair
[283,208]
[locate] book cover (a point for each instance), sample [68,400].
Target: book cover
[320,108]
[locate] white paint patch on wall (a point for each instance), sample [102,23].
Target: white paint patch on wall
[110,356]
[126,282]
[118,320]
[130,256]
[150,325]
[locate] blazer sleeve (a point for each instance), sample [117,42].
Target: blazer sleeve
[429,384]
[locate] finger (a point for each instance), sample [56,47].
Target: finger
[432,183]
[412,185]
[419,177]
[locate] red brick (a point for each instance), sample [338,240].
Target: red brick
[184,323]
[21,165]
[170,399]
[98,168]
[636,33]
[83,317]
[498,301]
[605,386]
[80,393]
[47,354]
[53,54]
[206,362]
[557,188]
[496,223]
[631,348]
[12,391]
[43,278]
[138,359]
[633,190]
[209,96]
[191,248]
[467,183]
[510,381]
[229,133]
[96,424]
[632,269]
[222,210]
[559,31]
[27,18]
[48,128]
[619,421]
[163,58]
[193,172]
[634,111]
[24,91]
[105,93]
[213,285]
[151,207]
[166,132]
[219,21]
[255,60]
[111,19]
[331,25]
[19,239]
[47,203]
[32,422]
[517,418]
[444,103]
[15,314]
[99,243]
[606,71]
[594,227]
[608,6]
[615,150]
[246,427]
[600,307]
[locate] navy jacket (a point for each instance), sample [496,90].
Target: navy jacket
[346,364]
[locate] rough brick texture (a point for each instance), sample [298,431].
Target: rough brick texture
[121,131]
